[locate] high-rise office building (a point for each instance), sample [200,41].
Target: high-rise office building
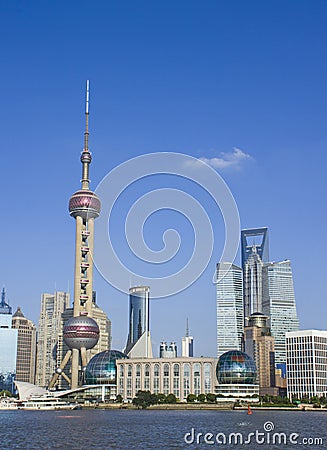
[187,343]
[279,304]
[49,329]
[8,346]
[252,284]
[259,344]
[139,332]
[229,308]
[26,347]
[306,353]
[257,237]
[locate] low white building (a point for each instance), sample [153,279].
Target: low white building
[179,376]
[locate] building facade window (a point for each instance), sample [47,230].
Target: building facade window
[186,381]
[156,379]
[176,381]
[207,378]
[197,379]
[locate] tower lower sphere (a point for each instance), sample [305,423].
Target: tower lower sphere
[81,332]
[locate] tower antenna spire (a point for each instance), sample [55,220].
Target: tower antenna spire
[187,329]
[87,111]
[86,157]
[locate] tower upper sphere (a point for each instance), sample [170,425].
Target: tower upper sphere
[85,203]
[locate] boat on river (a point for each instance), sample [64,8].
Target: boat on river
[46,403]
[8,403]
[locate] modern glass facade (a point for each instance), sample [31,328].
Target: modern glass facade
[229,308]
[279,304]
[257,237]
[101,369]
[138,314]
[8,347]
[253,284]
[236,367]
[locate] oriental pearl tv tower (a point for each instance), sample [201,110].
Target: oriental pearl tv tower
[81,332]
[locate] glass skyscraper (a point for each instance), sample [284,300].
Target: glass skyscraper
[252,284]
[8,346]
[257,237]
[279,304]
[138,314]
[229,307]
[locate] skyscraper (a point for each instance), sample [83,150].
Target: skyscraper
[279,304]
[257,237]
[139,332]
[81,332]
[187,343]
[306,363]
[49,329]
[8,346]
[252,284]
[26,347]
[229,307]
[259,344]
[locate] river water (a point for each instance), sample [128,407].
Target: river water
[144,429]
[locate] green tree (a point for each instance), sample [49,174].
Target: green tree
[191,398]
[171,398]
[154,399]
[119,399]
[211,398]
[5,393]
[201,398]
[161,398]
[143,399]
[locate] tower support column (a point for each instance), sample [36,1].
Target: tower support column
[78,256]
[75,368]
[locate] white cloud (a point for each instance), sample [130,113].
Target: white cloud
[226,160]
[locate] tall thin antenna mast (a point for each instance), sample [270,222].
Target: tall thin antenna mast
[87,110]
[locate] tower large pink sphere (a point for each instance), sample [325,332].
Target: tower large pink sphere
[81,332]
[84,203]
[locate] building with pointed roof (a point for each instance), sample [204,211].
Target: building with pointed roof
[187,342]
[26,347]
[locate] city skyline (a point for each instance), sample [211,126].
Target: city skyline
[252,108]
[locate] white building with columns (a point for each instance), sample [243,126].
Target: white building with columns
[179,376]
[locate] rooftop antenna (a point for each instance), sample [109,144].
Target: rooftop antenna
[187,329]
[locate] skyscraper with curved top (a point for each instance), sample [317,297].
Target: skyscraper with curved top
[139,332]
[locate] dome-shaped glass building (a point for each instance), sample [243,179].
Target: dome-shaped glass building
[101,369]
[236,367]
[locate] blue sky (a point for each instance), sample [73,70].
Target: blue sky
[200,78]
